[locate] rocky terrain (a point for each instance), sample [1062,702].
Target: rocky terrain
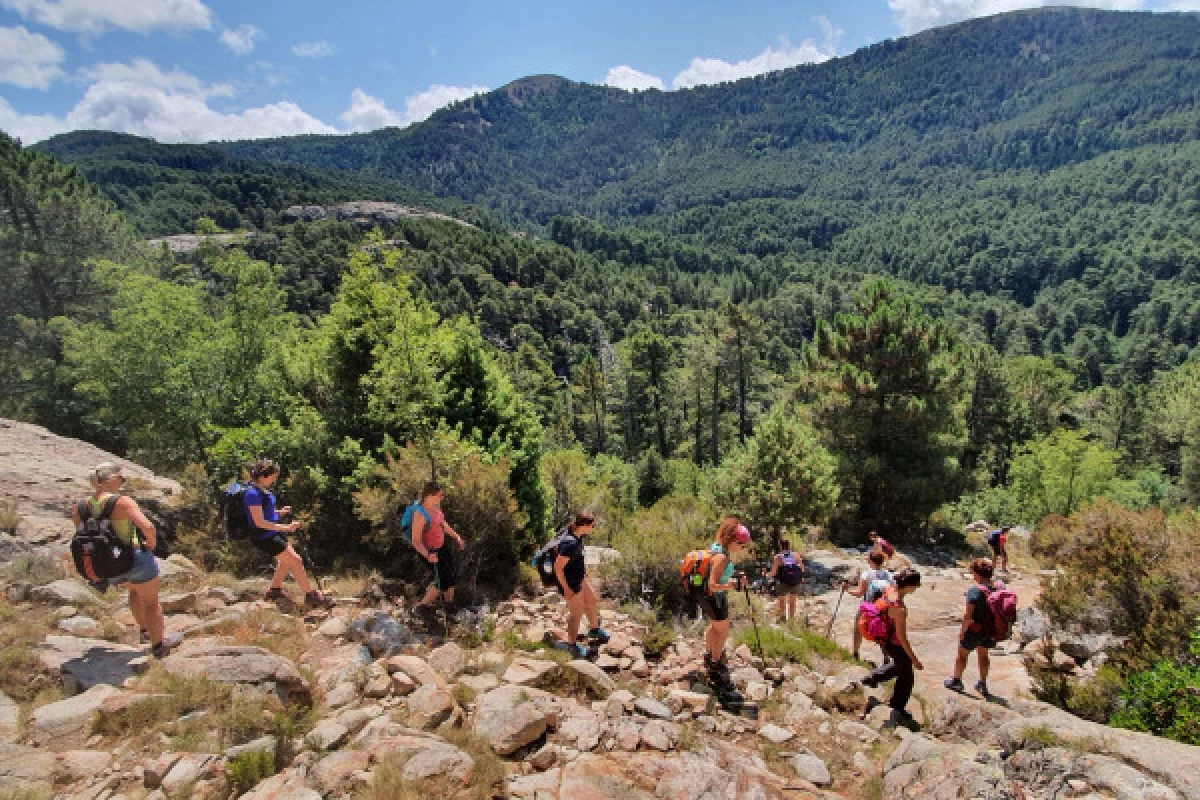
[269,702]
[364,213]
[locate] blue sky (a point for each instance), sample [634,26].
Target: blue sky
[198,70]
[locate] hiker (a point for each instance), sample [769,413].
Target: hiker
[132,527]
[429,533]
[886,621]
[788,569]
[973,635]
[715,579]
[871,584]
[269,535]
[998,541]
[882,545]
[570,570]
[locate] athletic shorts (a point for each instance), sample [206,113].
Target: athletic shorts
[575,585]
[783,588]
[444,573]
[976,639]
[144,569]
[715,606]
[999,550]
[272,545]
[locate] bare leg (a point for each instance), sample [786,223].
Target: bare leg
[575,605]
[854,648]
[960,663]
[985,662]
[449,595]
[720,632]
[591,604]
[146,596]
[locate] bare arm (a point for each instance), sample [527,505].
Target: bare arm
[858,591]
[967,620]
[453,534]
[560,564]
[133,512]
[418,537]
[900,617]
[775,562]
[256,516]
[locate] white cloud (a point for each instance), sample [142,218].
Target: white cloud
[917,15]
[312,49]
[714,70]
[240,39]
[1183,5]
[367,113]
[141,99]
[94,17]
[627,78]
[28,60]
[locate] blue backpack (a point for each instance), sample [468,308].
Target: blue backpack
[790,571]
[406,521]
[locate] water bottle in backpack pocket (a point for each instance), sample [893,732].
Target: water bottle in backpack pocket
[98,553]
[694,570]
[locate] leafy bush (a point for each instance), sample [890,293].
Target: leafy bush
[247,770]
[652,545]
[1164,699]
[792,643]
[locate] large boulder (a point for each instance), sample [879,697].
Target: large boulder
[68,722]
[416,669]
[507,720]
[85,663]
[240,664]
[381,633]
[589,677]
[529,671]
[26,769]
[430,706]
[383,738]
[287,785]
[65,592]
[339,773]
[1032,624]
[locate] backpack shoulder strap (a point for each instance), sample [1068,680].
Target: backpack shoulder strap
[110,505]
[84,509]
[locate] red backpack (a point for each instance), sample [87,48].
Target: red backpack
[1002,613]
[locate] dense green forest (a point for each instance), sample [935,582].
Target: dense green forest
[945,278]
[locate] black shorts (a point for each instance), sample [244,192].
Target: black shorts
[999,550]
[444,572]
[273,544]
[974,640]
[575,585]
[715,606]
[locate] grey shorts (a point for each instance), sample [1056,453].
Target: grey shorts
[144,569]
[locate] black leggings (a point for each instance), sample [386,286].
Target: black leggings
[900,667]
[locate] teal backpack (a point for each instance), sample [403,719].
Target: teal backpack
[406,521]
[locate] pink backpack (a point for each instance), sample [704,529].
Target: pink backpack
[1002,614]
[874,623]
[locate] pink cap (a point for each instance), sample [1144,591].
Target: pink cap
[742,535]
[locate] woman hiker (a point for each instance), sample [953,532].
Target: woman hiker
[269,535]
[429,535]
[901,660]
[871,584]
[788,569]
[570,568]
[731,542]
[972,635]
[132,527]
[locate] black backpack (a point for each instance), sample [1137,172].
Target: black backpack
[790,571]
[232,509]
[544,558]
[97,551]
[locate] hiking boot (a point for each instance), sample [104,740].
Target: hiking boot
[163,648]
[100,586]
[869,682]
[598,636]
[981,687]
[954,684]
[273,594]
[902,717]
[315,599]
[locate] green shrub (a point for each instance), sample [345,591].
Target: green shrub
[1164,700]
[247,770]
[790,643]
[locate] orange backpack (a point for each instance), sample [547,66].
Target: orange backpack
[695,568]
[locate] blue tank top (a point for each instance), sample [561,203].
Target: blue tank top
[727,573]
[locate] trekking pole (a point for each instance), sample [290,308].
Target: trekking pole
[437,582]
[308,564]
[829,630]
[753,618]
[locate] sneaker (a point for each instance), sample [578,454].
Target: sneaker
[274,593]
[315,599]
[163,648]
[981,687]
[954,684]
[902,717]
[599,635]
[578,650]
[869,682]
[100,586]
